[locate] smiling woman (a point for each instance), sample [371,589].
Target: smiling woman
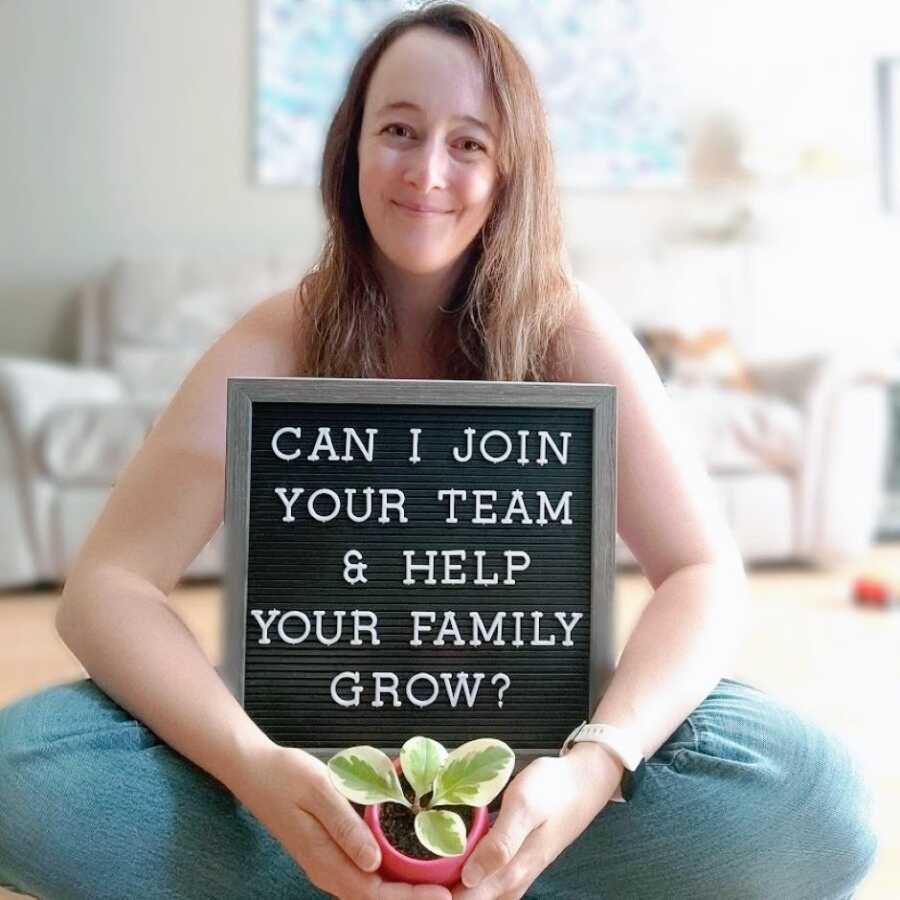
[445,237]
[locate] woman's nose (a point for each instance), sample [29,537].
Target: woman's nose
[427,167]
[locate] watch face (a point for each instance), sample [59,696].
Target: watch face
[631,781]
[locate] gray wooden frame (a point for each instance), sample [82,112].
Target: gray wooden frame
[601,398]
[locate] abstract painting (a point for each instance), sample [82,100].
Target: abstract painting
[608,92]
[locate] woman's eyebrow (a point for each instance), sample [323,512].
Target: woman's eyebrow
[406,104]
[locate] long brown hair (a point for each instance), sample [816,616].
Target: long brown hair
[514,295]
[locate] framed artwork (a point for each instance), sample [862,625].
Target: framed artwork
[608,92]
[887,81]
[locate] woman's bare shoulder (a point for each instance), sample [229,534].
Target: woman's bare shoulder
[603,346]
[270,331]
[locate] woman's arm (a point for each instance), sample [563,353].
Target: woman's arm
[166,505]
[115,618]
[689,633]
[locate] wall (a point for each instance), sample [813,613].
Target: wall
[125,127]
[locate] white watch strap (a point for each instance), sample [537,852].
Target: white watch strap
[618,741]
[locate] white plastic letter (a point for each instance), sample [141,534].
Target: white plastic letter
[561,616]
[468,432]
[525,562]
[293,614]
[421,567]
[387,504]
[390,688]
[506,452]
[287,457]
[415,432]
[418,614]
[422,676]
[288,504]
[452,493]
[264,626]
[356,690]
[546,439]
[367,452]
[462,684]
[334,498]
[562,505]
[371,627]
[323,442]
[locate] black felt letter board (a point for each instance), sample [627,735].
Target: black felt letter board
[449,586]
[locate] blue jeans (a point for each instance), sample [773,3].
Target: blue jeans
[745,800]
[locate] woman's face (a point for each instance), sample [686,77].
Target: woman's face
[427,151]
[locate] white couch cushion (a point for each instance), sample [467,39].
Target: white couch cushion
[179,302]
[151,375]
[90,444]
[737,430]
[162,314]
[761,512]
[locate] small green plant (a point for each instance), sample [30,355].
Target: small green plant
[471,775]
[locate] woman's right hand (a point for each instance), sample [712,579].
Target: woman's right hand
[291,794]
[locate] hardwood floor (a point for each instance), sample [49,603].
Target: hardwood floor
[808,646]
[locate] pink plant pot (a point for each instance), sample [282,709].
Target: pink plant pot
[446,871]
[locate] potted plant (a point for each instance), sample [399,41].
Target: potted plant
[428,808]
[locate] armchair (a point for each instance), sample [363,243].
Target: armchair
[798,461]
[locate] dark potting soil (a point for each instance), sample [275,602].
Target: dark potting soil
[398,823]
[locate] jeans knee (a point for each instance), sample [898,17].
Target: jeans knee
[844,817]
[865,850]
[19,820]
[60,750]
[849,824]
[43,740]
[19,735]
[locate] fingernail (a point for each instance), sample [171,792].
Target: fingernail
[473,874]
[369,859]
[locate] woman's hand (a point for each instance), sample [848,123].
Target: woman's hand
[545,807]
[291,794]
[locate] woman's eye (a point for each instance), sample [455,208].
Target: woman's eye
[472,146]
[397,128]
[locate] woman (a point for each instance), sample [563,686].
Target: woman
[443,260]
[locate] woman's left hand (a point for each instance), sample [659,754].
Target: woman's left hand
[545,807]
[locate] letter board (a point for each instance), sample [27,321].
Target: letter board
[419,557]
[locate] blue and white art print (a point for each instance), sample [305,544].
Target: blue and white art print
[608,91]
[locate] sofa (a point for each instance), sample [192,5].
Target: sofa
[797,461]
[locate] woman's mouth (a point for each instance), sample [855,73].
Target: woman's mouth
[420,211]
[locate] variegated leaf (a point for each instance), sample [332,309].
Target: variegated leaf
[441,831]
[366,775]
[421,759]
[474,773]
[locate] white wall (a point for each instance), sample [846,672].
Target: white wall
[798,74]
[799,78]
[125,126]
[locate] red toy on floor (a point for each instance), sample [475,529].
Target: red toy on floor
[876,589]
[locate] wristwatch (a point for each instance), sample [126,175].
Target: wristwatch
[622,744]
